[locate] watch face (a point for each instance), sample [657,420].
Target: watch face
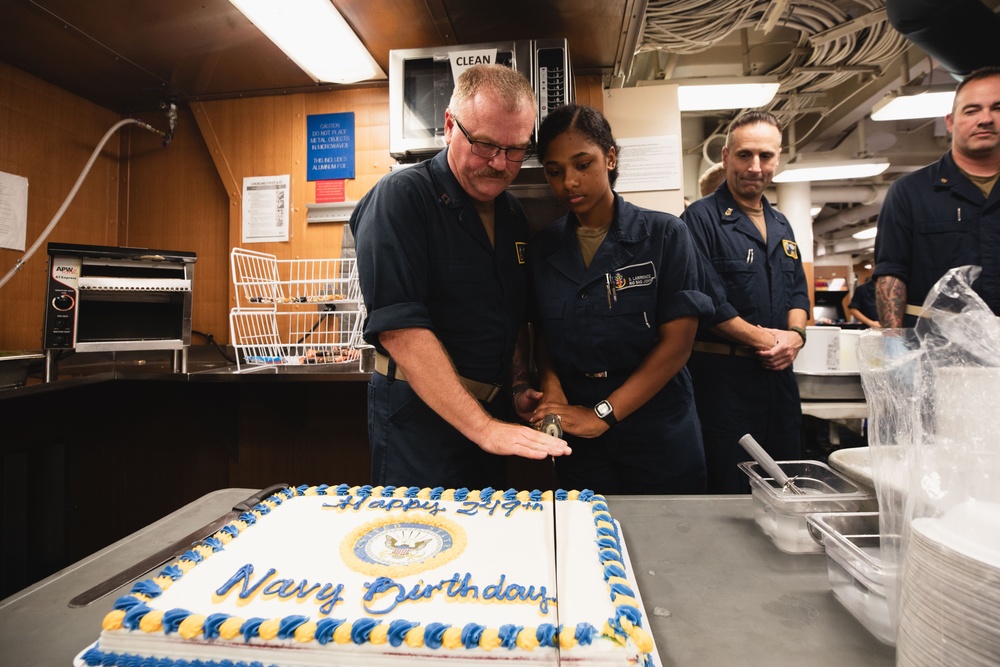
[603,409]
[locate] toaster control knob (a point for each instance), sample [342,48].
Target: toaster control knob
[63,302]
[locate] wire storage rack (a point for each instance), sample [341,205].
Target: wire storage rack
[298,311]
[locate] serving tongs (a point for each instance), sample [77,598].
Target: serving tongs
[769,465]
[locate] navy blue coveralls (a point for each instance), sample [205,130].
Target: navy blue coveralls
[425,261]
[760,283]
[933,220]
[600,323]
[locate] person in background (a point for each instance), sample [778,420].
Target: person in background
[946,214]
[742,359]
[862,306]
[711,179]
[441,252]
[618,307]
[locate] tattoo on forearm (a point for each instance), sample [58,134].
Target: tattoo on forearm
[890,298]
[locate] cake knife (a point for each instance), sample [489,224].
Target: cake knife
[555,563]
[172,551]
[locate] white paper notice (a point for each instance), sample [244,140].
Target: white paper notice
[265,208]
[649,163]
[13,211]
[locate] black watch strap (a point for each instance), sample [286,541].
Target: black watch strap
[605,411]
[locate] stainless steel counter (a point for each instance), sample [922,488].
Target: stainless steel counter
[716,591]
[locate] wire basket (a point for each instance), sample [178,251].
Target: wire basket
[294,312]
[262,280]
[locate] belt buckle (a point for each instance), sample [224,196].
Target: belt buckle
[599,374]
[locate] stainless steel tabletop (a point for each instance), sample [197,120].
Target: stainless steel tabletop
[716,591]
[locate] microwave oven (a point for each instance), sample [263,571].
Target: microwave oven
[421,82]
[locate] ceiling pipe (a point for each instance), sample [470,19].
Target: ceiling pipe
[849,217]
[960,34]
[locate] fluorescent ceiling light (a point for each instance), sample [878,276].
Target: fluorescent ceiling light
[830,170]
[741,92]
[865,234]
[814,211]
[915,102]
[315,36]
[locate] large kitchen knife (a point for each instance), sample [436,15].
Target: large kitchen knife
[172,551]
[555,565]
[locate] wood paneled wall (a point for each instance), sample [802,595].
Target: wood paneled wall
[185,196]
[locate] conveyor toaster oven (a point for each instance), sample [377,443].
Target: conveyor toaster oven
[102,298]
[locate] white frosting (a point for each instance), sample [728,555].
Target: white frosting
[302,539]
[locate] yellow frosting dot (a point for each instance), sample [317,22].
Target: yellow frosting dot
[625,600]
[572,495]
[152,622]
[524,496]
[305,632]
[342,635]
[204,550]
[379,634]
[377,491]
[191,626]
[163,582]
[269,628]
[448,494]
[605,524]
[311,491]
[142,597]
[527,639]
[113,621]
[475,496]
[223,537]
[490,639]
[567,640]
[642,639]
[546,495]
[619,580]
[424,493]
[415,637]
[185,565]
[230,628]
[452,638]
[400,492]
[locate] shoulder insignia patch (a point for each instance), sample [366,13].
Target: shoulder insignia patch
[791,248]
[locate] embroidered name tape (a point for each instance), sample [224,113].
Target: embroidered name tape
[634,275]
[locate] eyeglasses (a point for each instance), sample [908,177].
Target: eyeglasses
[487,150]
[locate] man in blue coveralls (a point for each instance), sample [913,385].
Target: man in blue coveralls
[441,252]
[946,214]
[742,360]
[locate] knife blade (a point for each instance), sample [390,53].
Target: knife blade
[171,551]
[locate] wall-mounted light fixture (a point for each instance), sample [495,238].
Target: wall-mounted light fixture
[742,92]
[721,92]
[830,170]
[314,35]
[915,102]
[864,234]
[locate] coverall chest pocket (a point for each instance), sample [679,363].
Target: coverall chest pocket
[738,278]
[460,281]
[944,243]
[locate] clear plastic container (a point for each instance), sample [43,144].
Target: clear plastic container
[854,564]
[781,514]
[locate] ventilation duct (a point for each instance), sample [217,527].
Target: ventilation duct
[960,34]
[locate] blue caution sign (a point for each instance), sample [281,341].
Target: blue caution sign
[331,146]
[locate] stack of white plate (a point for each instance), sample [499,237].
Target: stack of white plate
[950,598]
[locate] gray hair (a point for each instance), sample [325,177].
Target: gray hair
[508,85]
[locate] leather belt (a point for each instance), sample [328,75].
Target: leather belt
[729,349]
[482,391]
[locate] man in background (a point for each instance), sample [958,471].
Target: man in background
[441,252]
[946,214]
[711,179]
[742,360]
